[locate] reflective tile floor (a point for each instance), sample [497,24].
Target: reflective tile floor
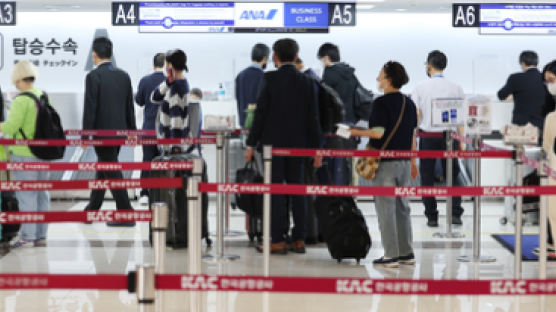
[90,249]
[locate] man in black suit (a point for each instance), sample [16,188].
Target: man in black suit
[108,106]
[286,116]
[528,92]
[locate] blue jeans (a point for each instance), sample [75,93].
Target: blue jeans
[393,212]
[31,201]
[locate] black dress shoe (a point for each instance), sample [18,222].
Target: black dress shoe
[432,223]
[456,220]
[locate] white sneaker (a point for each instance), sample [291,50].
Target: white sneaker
[21,243]
[144,200]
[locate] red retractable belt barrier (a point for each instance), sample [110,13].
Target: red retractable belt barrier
[109,142]
[363,286]
[93,166]
[64,281]
[233,132]
[430,135]
[286,152]
[75,216]
[402,191]
[110,132]
[155,183]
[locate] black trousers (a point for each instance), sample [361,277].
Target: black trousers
[289,171]
[149,153]
[426,170]
[108,154]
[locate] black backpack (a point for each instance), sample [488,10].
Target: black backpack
[47,127]
[364,100]
[331,108]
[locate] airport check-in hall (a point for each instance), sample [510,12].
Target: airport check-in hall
[378,155]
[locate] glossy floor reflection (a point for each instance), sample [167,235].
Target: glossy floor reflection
[90,249]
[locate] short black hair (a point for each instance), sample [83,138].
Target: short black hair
[159,59]
[286,49]
[102,46]
[197,92]
[177,58]
[437,59]
[550,67]
[529,58]
[396,73]
[259,52]
[331,50]
[29,79]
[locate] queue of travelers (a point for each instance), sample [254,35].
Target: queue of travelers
[288,114]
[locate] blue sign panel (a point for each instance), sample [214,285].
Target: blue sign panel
[306,15]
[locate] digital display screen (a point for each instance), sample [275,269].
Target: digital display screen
[527,19]
[223,17]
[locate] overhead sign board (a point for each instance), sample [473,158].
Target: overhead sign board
[465,15]
[7,13]
[306,15]
[186,16]
[525,19]
[341,14]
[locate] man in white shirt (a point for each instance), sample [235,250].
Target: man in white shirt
[435,88]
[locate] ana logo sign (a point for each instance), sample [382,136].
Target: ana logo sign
[199,282]
[508,288]
[258,15]
[354,287]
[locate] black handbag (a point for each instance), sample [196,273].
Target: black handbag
[251,204]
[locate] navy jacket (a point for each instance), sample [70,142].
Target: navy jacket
[143,98]
[341,77]
[248,83]
[529,97]
[108,100]
[286,113]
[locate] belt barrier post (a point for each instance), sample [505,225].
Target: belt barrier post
[227,201]
[543,217]
[267,158]
[220,203]
[195,218]
[477,213]
[520,151]
[449,183]
[159,225]
[145,288]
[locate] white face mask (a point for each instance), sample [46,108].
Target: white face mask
[379,88]
[552,88]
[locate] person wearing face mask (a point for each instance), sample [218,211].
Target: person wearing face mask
[397,115]
[437,86]
[549,147]
[248,81]
[527,91]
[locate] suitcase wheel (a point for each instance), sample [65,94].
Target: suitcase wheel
[209,242]
[339,260]
[503,220]
[358,260]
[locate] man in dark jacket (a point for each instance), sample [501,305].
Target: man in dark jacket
[248,80]
[143,98]
[528,92]
[108,106]
[286,116]
[341,77]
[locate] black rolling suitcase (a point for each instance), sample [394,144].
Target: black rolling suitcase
[9,204]
[176,233]
[251,204]
[346,235]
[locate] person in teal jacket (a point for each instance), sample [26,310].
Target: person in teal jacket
[22,117]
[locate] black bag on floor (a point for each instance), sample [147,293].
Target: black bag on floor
[346,234]
[9,204]
[176,233]
[313,234]
[251,204]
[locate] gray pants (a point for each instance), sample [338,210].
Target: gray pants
[31,201]
[393,212]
